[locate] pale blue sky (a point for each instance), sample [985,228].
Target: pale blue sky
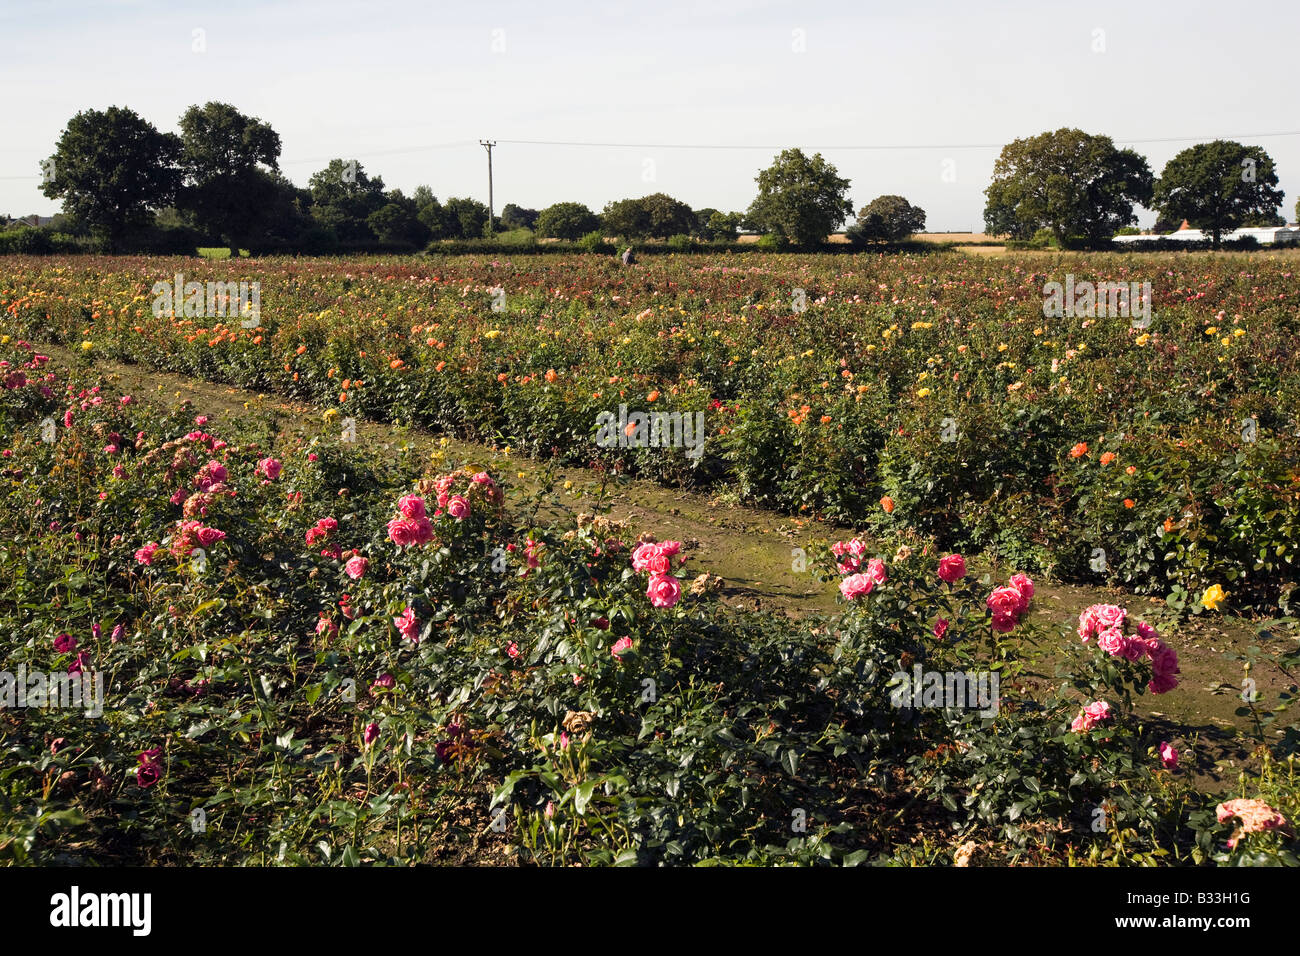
[380,81]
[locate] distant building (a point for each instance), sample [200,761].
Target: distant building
[1264,235]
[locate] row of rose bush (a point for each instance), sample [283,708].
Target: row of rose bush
[315,654]
[934,380]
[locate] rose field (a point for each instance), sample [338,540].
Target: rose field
[376,590]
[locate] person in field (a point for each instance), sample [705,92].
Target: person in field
[629,257]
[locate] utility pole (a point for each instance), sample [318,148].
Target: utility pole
[488,144]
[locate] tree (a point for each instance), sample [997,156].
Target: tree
[1218,187]
[566,220]
[343,197]
[1078,185]
[225,190]
[467,218]
[666,216]
[432,215]
[886,219]
[627,218]
[800,199]
[398,222]
[517,217]
[722,226]
[112,169]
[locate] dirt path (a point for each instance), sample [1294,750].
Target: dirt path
[751,551]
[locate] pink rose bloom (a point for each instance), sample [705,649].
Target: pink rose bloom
[1006,605]
[403,532]
[876,571]
[65,644]
[1146,632]
[423,531]
[210,536]
[513,649]
[483,478]
[1111,641]
[371,734]
[1098,712]
[1168,756]
[328,524]
[408,625]
[270,467]
[1098,618]
[664,590]
[145,554]
[669,548]
[621,645]
[458,507]
[855,586]
[179,496]
[1025,586]
[1135,649]
[952,568]
[411,506]
[356,568]
[649,557]
[940,628]
[201,420]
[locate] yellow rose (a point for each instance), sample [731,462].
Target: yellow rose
[1213,597]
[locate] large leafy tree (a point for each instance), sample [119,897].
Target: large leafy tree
[800,198]
[628,218]
[398,221]
[519,217]
[113,169]
[1218,187]
[1079,186]
[343,198]
[666,216]
[467,218]
[566,220]
[226,158]
[887,219]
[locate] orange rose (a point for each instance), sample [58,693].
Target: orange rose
[1079,450]
[888,504]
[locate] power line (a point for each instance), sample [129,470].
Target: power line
[733,146]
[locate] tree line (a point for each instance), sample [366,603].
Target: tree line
[218,181]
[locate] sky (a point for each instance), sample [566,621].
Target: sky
[935,87]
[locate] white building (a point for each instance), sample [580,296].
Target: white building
[1265,236]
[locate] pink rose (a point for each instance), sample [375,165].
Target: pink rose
[1025,586]
[356,568]
[458,507]
[1006,603]
[1098,712]
[403,532]
[408,625]
[876,571]
[622,644]
[1099,617]
[210,536]
[855,586]
[1111,641]
[1168,756]
[145,554]
[411,506]
[940,628]
[650,557]
[270,467]
[664,590]
[952,568]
